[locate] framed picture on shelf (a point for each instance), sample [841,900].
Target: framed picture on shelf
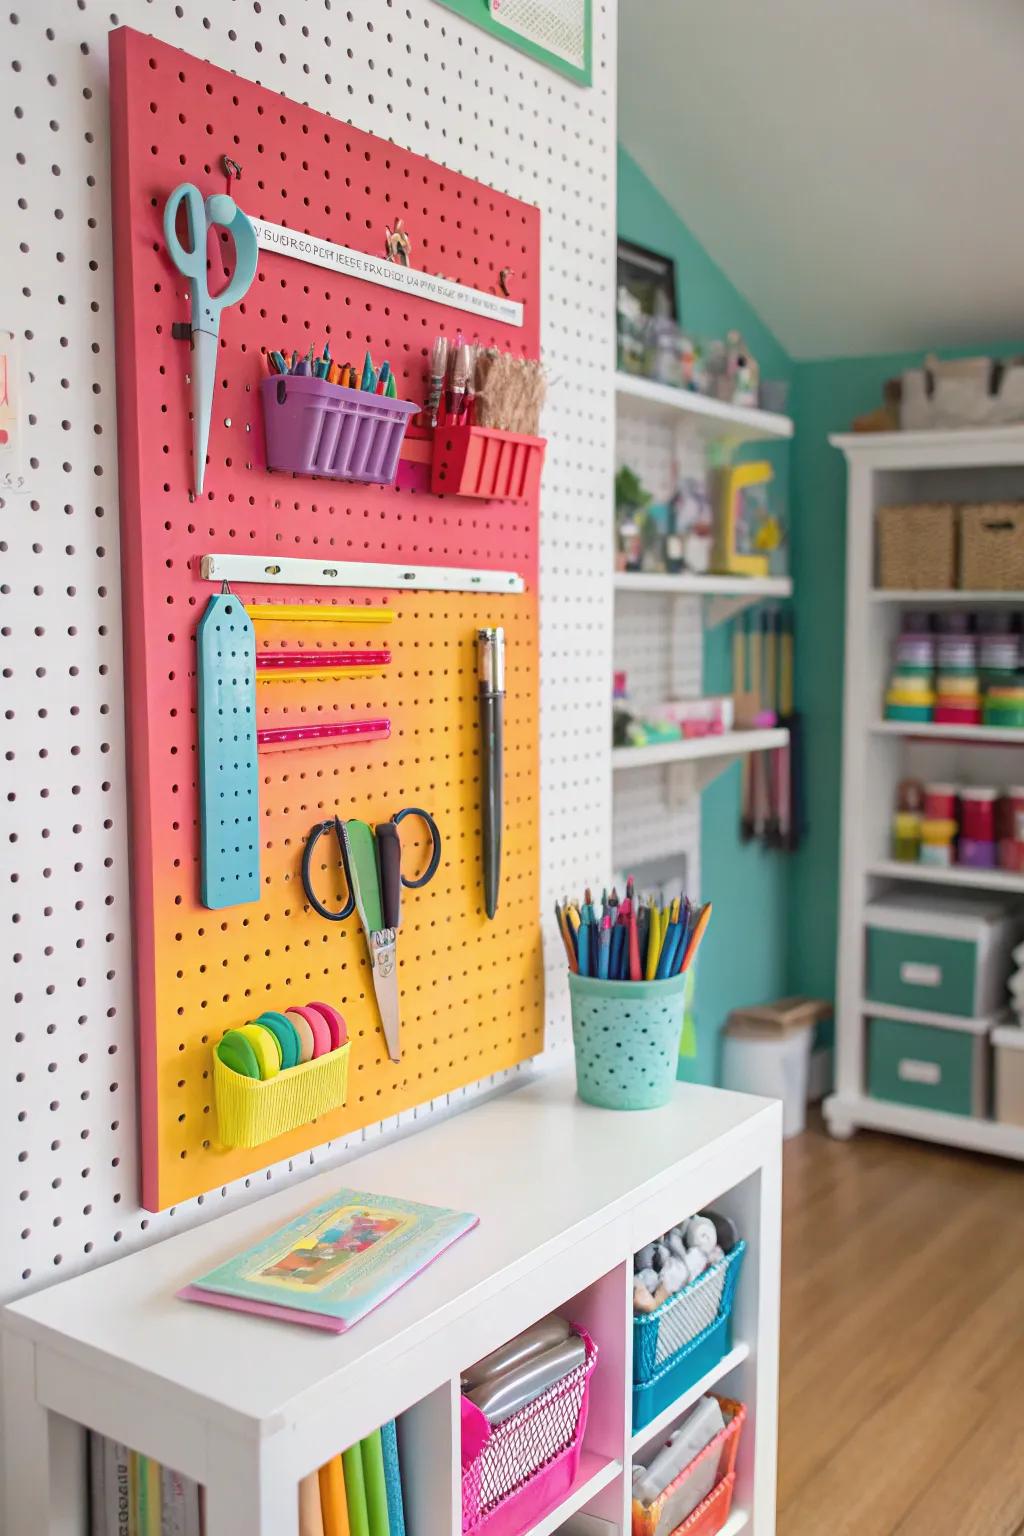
[648,278]
[645,310]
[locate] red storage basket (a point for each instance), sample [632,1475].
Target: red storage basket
[712,1512]
[710,1516]
[482,462]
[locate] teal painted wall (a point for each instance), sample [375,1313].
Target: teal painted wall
[743,959]
[780,931]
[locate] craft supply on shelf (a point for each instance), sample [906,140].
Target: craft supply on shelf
[228,788]
[937,837]
[317,428]
[1010,823]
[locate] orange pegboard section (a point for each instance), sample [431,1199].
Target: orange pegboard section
[471,990]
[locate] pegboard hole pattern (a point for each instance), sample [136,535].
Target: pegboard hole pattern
[415,74]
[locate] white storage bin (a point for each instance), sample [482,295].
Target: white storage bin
[774,1065]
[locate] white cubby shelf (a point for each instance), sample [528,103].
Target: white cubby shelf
[247,1406]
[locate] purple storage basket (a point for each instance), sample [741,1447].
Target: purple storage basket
[316,428]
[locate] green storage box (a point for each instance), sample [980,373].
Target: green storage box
[940,953]
[929,1065]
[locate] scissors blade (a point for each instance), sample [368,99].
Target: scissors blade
[384,959]
[204,375]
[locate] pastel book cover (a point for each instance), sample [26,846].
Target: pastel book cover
[336,1262]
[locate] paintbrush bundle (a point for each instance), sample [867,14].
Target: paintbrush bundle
[509,392]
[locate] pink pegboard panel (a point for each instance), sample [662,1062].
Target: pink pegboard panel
[472,991]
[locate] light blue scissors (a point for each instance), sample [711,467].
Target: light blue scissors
[206,307]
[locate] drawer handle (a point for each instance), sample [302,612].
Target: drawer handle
[927,1072]
[914,973]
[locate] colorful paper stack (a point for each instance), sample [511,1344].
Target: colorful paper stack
[358,1493]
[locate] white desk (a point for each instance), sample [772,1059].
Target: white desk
[246,1406]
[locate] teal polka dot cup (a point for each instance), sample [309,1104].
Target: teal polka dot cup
[626,1038]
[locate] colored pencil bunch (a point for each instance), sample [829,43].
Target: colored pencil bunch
[635,939]
[372,380]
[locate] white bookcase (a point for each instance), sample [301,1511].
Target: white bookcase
[247,1407]
[886,469]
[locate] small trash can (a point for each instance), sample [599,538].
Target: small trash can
[757,1058]
[626,1038]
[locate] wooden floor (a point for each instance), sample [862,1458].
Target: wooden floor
[902,1391]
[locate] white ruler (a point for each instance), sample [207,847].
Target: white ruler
[286,571]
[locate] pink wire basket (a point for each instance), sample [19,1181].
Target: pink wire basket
[526,1466]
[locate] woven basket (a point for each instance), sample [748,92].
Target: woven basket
[917,546]
[251,1111]
[992,547]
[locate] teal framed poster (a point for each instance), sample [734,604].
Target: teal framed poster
[557,32]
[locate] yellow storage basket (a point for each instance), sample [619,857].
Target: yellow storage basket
[251,1111]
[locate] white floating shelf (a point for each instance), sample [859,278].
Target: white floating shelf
[657,1426]
[983,735]
[714,420]
[946,596]
[957,874]
[737,1522]
[687,585]
[728,744]
[844,1113]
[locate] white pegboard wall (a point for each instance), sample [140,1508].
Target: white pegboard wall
[408,71]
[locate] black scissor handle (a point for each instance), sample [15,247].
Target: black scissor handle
[307,877]
[435,839]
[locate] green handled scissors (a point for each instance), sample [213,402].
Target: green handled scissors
[372,861]
[206,307]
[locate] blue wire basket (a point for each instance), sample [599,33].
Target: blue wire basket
[658,1336]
